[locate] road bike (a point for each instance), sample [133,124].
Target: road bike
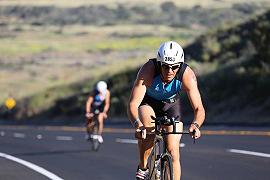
[95,136]
[160,161]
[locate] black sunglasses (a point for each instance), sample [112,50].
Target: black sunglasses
[173,67]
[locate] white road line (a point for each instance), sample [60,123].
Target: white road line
[64,138]
[19,135]
[2,133]
[134,141]
[31,166]
[128,141]
[249,153]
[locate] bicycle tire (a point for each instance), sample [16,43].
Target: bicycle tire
[95,142]
[152,163]
[166,167]
[95,145]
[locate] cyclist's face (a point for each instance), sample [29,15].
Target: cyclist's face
[169,71]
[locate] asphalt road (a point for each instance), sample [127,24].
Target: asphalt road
[39,153]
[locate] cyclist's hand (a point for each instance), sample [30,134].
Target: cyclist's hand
[194,131]
[105,115]
[140,133]
[89,115]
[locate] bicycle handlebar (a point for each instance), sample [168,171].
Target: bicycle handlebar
[165,121]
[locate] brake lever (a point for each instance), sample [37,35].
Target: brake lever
[193,133]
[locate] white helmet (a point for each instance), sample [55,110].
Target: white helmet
[170,53]
[101,87]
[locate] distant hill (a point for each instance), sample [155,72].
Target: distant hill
[166,13]
[237,91]
[234,89]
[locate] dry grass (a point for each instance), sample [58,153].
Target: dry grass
[34,59]
[74,3]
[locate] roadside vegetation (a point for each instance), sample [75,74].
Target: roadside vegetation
[51,55]
[235,89]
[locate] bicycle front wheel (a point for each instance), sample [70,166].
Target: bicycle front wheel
[153,164]
[166,168]
[95,145]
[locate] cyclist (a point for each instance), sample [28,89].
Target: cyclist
[97,106]
[156,93]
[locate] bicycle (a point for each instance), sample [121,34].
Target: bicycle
[160,160]
[95,136]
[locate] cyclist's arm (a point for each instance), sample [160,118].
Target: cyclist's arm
[138,91]
[107,102]
[89,104]
[191,87]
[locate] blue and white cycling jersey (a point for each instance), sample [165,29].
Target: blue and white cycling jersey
[160,91]
[98,99]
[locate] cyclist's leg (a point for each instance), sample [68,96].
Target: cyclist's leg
[173,145]
[145,146]
[89,125]
[100,119]
[173,140]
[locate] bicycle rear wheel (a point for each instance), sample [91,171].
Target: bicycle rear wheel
[166,168]
[95,144]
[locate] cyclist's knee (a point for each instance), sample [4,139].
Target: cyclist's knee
[100,120]
[175,154]
[145,113]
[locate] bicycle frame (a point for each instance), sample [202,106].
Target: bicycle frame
[95,142]
[160,158]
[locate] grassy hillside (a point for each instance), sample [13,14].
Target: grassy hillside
[188,4]
[58,50]
[236,90]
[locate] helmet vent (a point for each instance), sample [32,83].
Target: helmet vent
[170,52]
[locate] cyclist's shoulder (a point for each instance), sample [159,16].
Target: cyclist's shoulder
[149,64]
[188,72]
[189,77]
[108,92]
[147,68]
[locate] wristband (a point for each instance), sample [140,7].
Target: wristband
[196,125]
[136,123]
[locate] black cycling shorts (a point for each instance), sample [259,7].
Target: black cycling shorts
[161,108]
[97,109]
